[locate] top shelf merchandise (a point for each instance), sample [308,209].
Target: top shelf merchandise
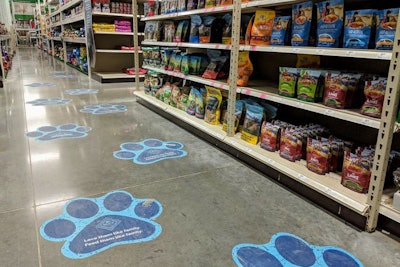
[297,69]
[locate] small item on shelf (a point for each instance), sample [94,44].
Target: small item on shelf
[308,61]
[150,8]
[335,92]
[175,96]
[192,4]
[213,103]
[280,31]
[287,81]
[215,68]
[309,85]
[301,23]
[224,2]
[205,29]
[262,27]
[201,4]
[252,123]
[374,91]
[358,27]
[330,23]
[195,23]
[210,3]
[386,28]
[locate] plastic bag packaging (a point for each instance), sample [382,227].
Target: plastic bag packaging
[181,5]
[191,4]
[210,3]
[358,28]
[169,31]
[308,84]
[318,156]
[195,23]
[201,4]
[252,123]
[185,64]
[301,23]
[330,22]
[175,96]
[213,103]
[280,30]
[239,107]
[245,68]
[214,67]
[227,29]
[181,31]
[335,90]
[205,29]
[386,28]
[152,31]
[199,101]
[262,27]
[287,81]
[191,102]
[224,2]
[374,91]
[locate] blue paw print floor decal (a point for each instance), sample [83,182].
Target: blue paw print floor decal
[40,84]
[286,250]
[49,101]
[91,225]
[67,76]
[150,151]
[65,131]
[104,109]
[81,91]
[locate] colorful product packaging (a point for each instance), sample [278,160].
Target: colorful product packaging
[335,90]
[301,23]
[280,30]
[287,81]
[252,123]
[318,156]
[358,27]
[374,91]
[261,30]
[356,174]
[386,28]
[245,68]
[330,22]
[213,103]
[308,85]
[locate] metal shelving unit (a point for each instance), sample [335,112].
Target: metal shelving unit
[368,206]
[5,40]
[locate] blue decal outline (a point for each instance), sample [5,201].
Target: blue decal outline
[101,109]
[42,132]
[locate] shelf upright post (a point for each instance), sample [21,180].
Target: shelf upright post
[136,42]
[385,136]
[233,70]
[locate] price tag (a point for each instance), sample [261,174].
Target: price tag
[296,50]
[247,92]
[301,177]
[329,112]
[382,56]
[263,96]
[253,48]
[366,122]
[217,46]
[350,53]
[320,51]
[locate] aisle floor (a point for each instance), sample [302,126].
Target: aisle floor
[210,201]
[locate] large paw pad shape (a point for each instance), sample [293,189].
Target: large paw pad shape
[84,91]
[103,109]
[49,101]
[65,131]
[91,225]
[286,250]
[150,151]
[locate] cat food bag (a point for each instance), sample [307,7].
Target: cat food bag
[239,107]
[386,28]
[195,23]
[330,22]
[280,30]
[358,27]
[335,93]
[191,4]
[227,29]
[185,64]
[245,68]
[213,103]
[374,91]
[191,102]
[205,29]
[301,23]
[287,81]
[270,136]
[307,84]
[262,27]
[318,156]
[252,123]
[175,96]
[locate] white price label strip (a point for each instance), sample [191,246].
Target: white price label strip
[366,122]
[301,177]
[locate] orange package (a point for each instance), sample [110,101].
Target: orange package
[245,68]
[262,27]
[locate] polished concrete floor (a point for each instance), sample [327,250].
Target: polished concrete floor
[211,202]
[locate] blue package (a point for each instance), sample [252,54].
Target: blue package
[386,28]
[301,23]
[280,30]
[195,23]
[330,23]
[358,26]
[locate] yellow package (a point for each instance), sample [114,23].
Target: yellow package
[213,104]
[262,27]
[308,61]
[245,68]
[210,3]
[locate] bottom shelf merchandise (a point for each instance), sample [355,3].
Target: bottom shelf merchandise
[77,58]
[6,57]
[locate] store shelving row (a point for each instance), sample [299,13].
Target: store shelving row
[369,205]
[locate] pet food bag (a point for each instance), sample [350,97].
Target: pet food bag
[245,68]
[386,28]
[330,22]
[280,30]
[287,81]
[205,29]
[374,93]
[301,23]
[213,103]
[252,123]
[239,107]
[335,93]
[199,104]
[307,85]
[318,156]
[270,136]
[195,23]
[356,174]
[227,29]
[358,27]
[261,30]
[351,81]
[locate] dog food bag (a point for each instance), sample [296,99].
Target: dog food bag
[386,28]
[245,68]
[181,31]
[307,84]
[301,23]
[169,31]
[213,103]
[351,81]
[191,102]
[335,90]
[227,29]
[224,2]
[261,30]
[280,30]
[185,64]
[182,103]
[356,173]
[287,81]
[330,22]
[191,4]
[195,22]
[374,93]
[175,96]
[205,29]
[252,123]
[318,156]
[270,136]
[210,3]
[358,27]
[199,104]
[239,107]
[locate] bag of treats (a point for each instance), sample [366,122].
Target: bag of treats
[191,102]
[270,136]
[318,156]
[374,91]
[301,23]
[307,85]
[169,31]
[252,123]
[386,28]
[356,174]
[287,81]
[185,64]
[181,31]
[291,144]
[213,103]
[262,27]
[335,93]
[191,4]
[210,3]
[239,107]
[175,96]
[330,22]
[205,29]
[201,4]
[227,29]
[195,23]
[358,27]
[245,68]
[280,30]
[199,101]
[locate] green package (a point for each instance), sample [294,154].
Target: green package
[307,85]
[287,81]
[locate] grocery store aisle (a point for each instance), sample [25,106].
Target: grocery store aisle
[210,202]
